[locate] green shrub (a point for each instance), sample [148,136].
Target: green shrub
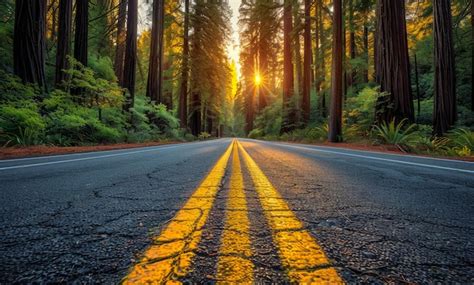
[426,143]
[269,120]
[204,136]
[462,141]
[14,93]
[20,126]
[256,133]
[399,134]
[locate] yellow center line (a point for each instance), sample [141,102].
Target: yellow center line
[169,257]
[234,265]
[301,256]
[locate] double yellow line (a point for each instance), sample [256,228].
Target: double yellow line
[170,257]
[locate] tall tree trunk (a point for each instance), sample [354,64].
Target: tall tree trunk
[249,106]
[472,56]
[168,90]
[335,122]
[29,41]
[297,51]
[195,108]
[81,32]
[352,42]
[263,70]
[264,50]
[155,77]
[129,72]
[288,75]
[392,62]
[120,41]
[322,63]
[417,83]
[195,112]
[64,40]
[366,53]
[316,49]
[308,58]
[445,114]
[183,95]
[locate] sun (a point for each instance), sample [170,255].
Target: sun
[258,79]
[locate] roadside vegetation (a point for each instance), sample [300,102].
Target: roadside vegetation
[359,128]
[355,75]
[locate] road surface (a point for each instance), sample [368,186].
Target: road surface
[238,211]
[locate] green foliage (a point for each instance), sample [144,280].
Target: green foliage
[269,120]
[256,133]
[462,141]
[432,145]
[151,122]
[94,90]
[103,68]
[204,136]
[399,134]
[360,109]
[14,93]
[21,126]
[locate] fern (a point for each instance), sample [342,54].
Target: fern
[396,134]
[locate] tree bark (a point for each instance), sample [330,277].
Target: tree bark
[366,53]
[155,78]
[472,56]
[352,43]
[29,41]
[64,40]
[392,63]
[308,58]
[120,41]
[81,31]
[129,72]
[183,96]
[288,74]
[445,114]
[297,52]
[335,122]
[322,62]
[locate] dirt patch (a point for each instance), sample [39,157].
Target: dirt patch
[18,152]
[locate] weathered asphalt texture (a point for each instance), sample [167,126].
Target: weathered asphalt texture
[380,218]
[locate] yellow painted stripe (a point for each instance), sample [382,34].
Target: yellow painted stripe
[170,256]
[234,265]
[301,256]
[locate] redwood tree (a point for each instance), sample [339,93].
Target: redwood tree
[130,53]
[64,40]
[120,40]
[288,80]
[29,41]
[472,56]
[183,96]
[444,115]
[335,120]
[155,78]
[81,32]
[392,62]
[308,58]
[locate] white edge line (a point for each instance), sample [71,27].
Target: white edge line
[164,146]
[365,151]
[379,158]
[82,159]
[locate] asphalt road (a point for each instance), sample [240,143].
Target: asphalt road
[379,218]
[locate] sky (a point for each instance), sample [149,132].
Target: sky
[234,47]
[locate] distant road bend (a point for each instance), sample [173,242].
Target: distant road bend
[239,211]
